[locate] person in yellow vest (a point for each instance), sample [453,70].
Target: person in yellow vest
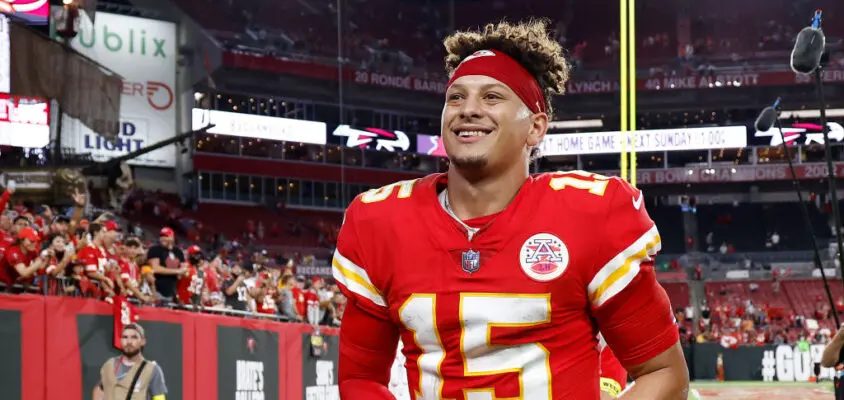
[130,376]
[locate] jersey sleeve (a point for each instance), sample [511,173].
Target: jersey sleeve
[351,271]
[126,272]
[368,337]
[88,259]
[632,310]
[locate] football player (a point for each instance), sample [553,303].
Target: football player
[497,282]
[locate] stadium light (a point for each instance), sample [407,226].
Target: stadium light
[576,124]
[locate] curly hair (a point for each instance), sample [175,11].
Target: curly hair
[528,43]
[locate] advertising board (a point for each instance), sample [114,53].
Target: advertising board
[24,122]
[143,52]
[259,126]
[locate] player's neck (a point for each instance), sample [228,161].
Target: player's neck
[479,198]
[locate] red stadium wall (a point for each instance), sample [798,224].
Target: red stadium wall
[53,347]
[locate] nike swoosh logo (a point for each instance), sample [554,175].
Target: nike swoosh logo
[637,202]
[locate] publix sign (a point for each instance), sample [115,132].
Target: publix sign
[143,52]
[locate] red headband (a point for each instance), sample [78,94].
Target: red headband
[500,66]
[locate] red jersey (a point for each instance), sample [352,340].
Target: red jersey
[112,266]
[528,291]
[129,273]
[268,305]
[299,301]
[190,285]
[14,255]
[6,239]
[312,314]
[613,374]
[211,279]
[94,258]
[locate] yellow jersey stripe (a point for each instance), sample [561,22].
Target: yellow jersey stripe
[621,269]
[355,279]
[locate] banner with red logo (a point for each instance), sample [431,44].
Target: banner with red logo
[123,314]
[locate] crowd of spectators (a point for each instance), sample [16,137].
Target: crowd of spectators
[99,254]
[742,322]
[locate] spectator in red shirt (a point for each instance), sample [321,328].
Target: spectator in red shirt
[299,300]
[190,285]
[213,272]
[22,262]
[130,273]
[267,305]
[61,256]
[312,300]
[95,258]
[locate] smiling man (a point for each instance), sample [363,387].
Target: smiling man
[497,282]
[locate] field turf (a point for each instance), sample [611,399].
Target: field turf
[761,391]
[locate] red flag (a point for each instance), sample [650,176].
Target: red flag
[124,314]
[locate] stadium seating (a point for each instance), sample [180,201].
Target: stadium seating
[805,294]
[404,36]
[735,293]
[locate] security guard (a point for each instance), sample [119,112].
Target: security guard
[130,376]
[832,358]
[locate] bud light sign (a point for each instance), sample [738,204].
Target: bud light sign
[143,52]
[128,140]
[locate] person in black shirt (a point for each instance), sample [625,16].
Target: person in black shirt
[234,288]
[168,264]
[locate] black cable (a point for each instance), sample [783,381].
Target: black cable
[804,209]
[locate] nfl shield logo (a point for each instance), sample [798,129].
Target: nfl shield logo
[471,261]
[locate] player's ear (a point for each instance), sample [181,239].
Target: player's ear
[538,128]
